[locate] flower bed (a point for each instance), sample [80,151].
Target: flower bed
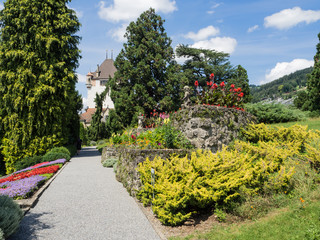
[22,183]
[58,161]
[21,188]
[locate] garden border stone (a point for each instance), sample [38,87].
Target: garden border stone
[26,204]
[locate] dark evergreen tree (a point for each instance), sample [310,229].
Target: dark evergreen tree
[240,80]
[313,82]
[38,58]
[202,62]
[145,77]
[97,129]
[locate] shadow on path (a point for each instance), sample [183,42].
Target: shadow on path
[88,152]
[30,224]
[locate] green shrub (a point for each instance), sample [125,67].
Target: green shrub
[51,156]
[12,151]
[27,162]
[93,143]
[72,149]
[100,147]
[100,142]
[61,150]
[10,216]
[220,214]
[110,162]
[115,167]
[274,113]
[247,172]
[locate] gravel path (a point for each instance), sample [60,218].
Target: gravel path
[85,202]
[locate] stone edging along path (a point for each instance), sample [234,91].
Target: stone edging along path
[26,204]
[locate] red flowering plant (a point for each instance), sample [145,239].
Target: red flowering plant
[155,119]
[219,95]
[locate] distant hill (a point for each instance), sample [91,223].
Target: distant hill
[284,87]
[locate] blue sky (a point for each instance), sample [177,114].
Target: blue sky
[269,38]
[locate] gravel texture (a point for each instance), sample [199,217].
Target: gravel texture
[85,202]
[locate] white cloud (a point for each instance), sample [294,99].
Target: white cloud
[128,10]
[291,17]
[253,28]
[284,68]
[118,33]
[214,6]
[203,33]
[81,78]
[220,44]
[1,6]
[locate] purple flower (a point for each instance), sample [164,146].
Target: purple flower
[159,144]
[20,188]
[58,161]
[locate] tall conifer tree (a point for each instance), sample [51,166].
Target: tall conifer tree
[38,58]
[313,83]
[201,63]
[145,77]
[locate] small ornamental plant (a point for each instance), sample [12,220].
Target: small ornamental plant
[219,95]
[155,119]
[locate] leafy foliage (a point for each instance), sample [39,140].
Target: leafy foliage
[72,149]
[146,73]
[202,62]
[27,162]
[10,216]
[38,58]
[274,113]
[265,165]
[51,156]
[97,129]
[313,83]
[162,137]
[220,95]
[61,150]
[240,80]
[110,162]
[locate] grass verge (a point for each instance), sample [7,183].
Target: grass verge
[298,221]
[312,123]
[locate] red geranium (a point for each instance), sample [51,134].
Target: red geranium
[214,86]
[240,94]
[222,84]
[211,76]
[232,85]
[37,171]
[196,83]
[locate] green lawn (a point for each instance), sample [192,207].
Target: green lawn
[313,123]
[293,223]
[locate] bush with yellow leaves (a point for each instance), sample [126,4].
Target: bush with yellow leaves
[184,186]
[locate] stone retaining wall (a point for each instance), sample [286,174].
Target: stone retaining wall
[211,127]
[126,171]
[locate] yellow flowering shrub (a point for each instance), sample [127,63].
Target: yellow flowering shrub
[184,186]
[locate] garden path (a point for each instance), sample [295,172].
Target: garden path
[85,202]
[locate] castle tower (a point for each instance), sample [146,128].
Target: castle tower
[96,83]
